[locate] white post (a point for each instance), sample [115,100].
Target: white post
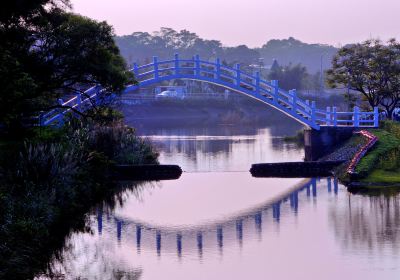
[334,116]
[258,82]
[155,62]
[328,115]
[79,100]
[135,70]
[275,92]
[313,113]
[217,68]
[176,64]
[376,117]
[294,99]
[237,67]
[197,62]
[356,116]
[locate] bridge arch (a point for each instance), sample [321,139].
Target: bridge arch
[234,79]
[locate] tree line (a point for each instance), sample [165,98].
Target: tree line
[293,57]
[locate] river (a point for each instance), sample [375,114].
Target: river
[218,222]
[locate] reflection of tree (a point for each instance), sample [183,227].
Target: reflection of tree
[79,257]
[368,222]
[84,259]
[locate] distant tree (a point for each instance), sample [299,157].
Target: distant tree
[167,41]
[47,53]
[372,69]
[293,51]
[289,77]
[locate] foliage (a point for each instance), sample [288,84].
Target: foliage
[383,176]
[382,155]
[372,69]
[391,127]
[289,77]
[49,180]
[292,51]
[46,53]
[120,144]
[140,47]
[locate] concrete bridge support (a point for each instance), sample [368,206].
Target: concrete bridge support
[318,143]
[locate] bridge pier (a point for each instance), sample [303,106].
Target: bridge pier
[318,143]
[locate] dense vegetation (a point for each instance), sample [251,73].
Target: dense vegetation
[47,52]
[382,163]
[49,180]
[49,177]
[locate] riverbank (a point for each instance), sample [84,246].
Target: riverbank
[50,179]
[379,167]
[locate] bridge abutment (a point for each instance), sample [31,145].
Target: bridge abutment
[318,143]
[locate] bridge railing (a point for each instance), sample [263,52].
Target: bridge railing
[80,103]
[230,77]
[355,118]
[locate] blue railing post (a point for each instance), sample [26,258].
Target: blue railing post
[313,112]
[356,116]
[328,115]
[376,117]
[176,64]
[135,70]
[79,101]
[294,99]
[334,116]
[155,62]
[275,85]
[258,82]
[217,69]
[237,67]
[197,65]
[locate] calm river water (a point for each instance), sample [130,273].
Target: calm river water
[218,222]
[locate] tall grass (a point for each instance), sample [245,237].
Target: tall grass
[48,182]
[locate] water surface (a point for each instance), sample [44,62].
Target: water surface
[218,222]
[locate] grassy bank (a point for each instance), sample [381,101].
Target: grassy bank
[381,165]
[49,180]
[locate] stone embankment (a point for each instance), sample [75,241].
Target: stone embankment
[147,172]
[302,169]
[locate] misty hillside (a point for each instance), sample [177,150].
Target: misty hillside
[140,47]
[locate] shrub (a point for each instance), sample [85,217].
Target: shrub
[378,155]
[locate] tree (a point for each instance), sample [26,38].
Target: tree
[289,77]
[372,69]
[47,53]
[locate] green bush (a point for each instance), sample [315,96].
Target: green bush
[391,127]
[381,155]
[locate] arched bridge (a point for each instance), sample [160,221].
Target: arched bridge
[235,79]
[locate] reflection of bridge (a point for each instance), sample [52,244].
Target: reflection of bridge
[235,79]
[212,235]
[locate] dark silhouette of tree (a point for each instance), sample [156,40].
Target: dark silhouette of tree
[372,69]
[46,52]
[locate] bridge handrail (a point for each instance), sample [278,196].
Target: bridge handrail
[232,77]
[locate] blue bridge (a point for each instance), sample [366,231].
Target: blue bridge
[235,79]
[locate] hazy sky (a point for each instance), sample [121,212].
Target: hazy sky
[253,22]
